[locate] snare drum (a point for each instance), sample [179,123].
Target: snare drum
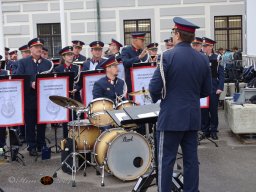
[87,136]
[127,155]
[97,112]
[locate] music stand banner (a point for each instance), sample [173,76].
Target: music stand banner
[11,102]
[88,82]
[204,103]
[140,77]
[49,112]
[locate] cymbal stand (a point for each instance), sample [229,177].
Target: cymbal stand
[73,168]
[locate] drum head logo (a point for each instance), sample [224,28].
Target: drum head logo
[7,107]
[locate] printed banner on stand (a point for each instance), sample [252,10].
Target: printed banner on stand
[141,77]
[47,111]
[204,103]
[88,82]
[11,102]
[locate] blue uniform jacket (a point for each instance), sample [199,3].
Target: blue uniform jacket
[217,83]
[129,56]
[188,79]
[3,72]
[74,69]
[86,64]
[103,88]
[79,58]
[27,66]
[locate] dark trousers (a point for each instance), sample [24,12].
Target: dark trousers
[35,133]
[2,137]
[210,120]
[168,143]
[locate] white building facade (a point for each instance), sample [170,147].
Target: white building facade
[25,19]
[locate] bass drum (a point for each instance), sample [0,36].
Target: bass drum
[127,155]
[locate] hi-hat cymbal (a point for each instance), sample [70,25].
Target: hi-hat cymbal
[66,102]
[140,92]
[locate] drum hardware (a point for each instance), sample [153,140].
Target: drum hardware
[73,105]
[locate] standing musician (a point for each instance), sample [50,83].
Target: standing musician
[77,48]
[66,65]
[25,52]
[111,86]
[45,53]
[210,119]
[96,60]
[182,78]
[169,43]
[114,49]
[133,53]
[32,66]
[197,44]
[9,64]
[152,51]
[2,130]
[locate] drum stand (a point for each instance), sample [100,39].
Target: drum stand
[73,168]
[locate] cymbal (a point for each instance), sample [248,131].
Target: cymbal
[66,102]
[140,92]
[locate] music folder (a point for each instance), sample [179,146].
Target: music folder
[119,116]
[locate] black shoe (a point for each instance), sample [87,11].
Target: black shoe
[214,136]
[33,152]
[204,135]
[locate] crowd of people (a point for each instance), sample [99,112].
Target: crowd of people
[188,70]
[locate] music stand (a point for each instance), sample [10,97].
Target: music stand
[70,75]
[13,139]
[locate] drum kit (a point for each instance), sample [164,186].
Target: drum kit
[119,151]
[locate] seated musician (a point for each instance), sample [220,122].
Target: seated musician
[111,86]
[66,65]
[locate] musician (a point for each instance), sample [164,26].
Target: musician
[169,43]
[45,53]
[66,65]
[2,129]
[110,86]
[210,116]
[114,49]
[96,60]
[197,44]
[133,53]
[2,71]
[32,66]
[152,51]
[25,51]
[11,62]
[77,47]
[180,81]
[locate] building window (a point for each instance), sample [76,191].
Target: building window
[51,34]
[140,25]
[228,31]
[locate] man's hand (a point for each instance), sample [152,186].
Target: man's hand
[144,52]
[33,85]
[218,91]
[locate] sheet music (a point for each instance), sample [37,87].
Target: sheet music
[120,116]
[145,115]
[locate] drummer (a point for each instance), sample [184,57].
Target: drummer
[67,56]
[110,86]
